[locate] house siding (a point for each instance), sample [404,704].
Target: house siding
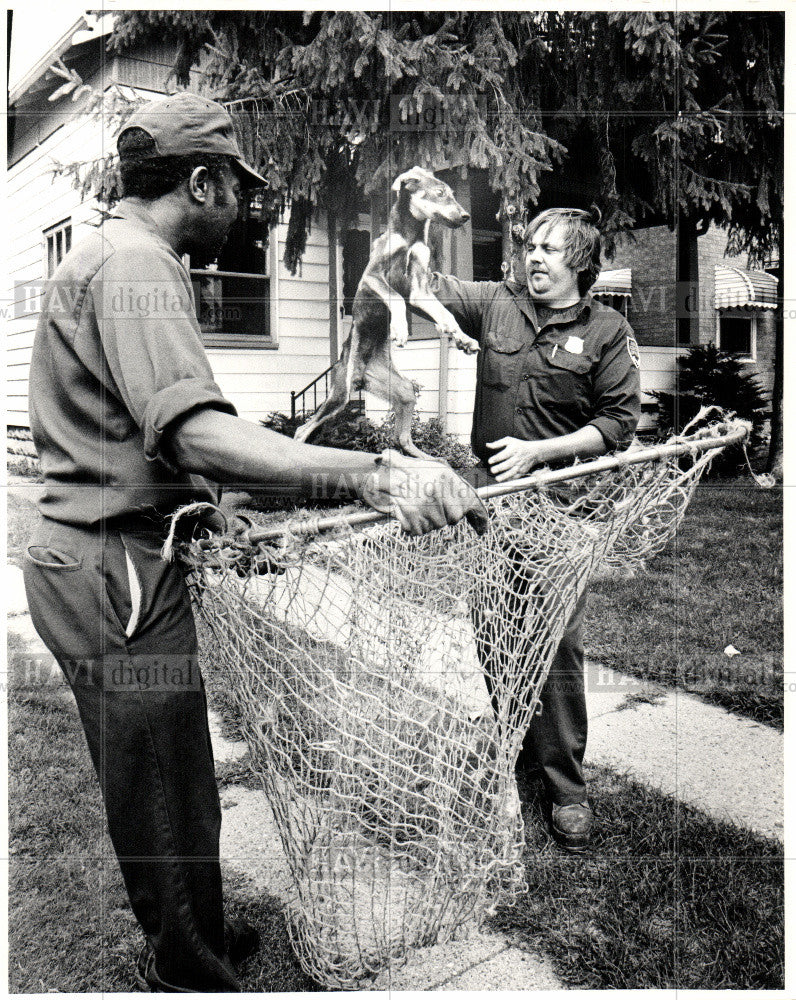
[35,201]
[256,380]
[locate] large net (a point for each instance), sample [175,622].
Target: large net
[384,684]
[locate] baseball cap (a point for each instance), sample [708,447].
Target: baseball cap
[183,124]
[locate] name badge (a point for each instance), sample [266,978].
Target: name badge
[574,345]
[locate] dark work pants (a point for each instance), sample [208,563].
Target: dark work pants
[118,620]
[555,742]
[556,739]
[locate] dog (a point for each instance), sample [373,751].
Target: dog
[397,273]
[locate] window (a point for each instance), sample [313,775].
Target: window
[233,293]
[57,244]
[487,230]
[737,334]
[487,255]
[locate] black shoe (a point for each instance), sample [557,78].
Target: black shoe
[241,940]
[145,959]
[146,975]
[571,825]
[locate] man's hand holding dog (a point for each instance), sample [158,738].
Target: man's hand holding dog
[422,495]
[448,327]
[465,343]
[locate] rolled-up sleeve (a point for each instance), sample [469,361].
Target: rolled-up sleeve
[175,402]
[152,343]
[617,391]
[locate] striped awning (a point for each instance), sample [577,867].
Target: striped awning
[613,282]
[740,289]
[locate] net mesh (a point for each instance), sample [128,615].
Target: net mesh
[384,684]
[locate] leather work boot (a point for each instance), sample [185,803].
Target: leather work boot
[571,825]
[241,940]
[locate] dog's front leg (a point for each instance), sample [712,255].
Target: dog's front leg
[423,299]
[399,327]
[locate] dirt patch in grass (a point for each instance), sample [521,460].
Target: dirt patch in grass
[718,584]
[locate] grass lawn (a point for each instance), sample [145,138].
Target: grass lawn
[667,897]
[718,584]
[21,497]
[70,925]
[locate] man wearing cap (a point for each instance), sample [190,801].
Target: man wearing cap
[557,379]
[127,420]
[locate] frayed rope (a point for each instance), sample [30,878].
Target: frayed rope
[764,481]
[167,552]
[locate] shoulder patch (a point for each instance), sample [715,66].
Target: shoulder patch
[632,350]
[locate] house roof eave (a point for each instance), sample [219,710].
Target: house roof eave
[88,25]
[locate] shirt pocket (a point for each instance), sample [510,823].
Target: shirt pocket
[502,357]
[562,381]
[578,364]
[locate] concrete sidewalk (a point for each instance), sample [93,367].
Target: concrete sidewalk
[250,846]
[726,765]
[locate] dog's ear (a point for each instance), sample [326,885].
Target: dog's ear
[412,179]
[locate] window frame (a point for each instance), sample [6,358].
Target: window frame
[220,339]
[751,357]
[59,229]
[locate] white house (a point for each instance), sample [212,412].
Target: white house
[287,340]
[268,333]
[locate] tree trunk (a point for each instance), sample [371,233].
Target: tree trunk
[334,283]
[775,448]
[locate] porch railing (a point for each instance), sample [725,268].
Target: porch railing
[318,391]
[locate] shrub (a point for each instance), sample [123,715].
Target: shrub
[357,433]
[707,377]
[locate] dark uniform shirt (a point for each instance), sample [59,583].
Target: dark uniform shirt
[117,357]
[541,380]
